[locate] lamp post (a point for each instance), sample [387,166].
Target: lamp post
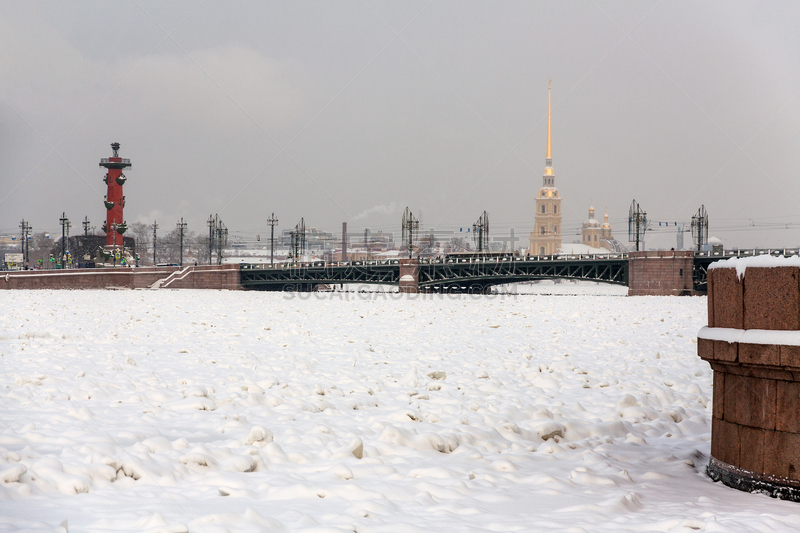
[272,221]
[155,229]
[181,230]
[64,221]
[24,244]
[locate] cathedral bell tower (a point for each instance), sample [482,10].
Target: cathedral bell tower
[546,235]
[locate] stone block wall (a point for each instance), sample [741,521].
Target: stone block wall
[200,277]
[752,343]
[660,273]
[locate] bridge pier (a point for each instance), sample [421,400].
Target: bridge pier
[660,273]
[409,276]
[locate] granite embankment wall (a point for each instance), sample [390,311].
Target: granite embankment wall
[753,345]
[199,277]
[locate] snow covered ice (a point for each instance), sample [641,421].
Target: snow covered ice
[211,411]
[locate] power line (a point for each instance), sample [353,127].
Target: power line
[410,225]
[480,232]
[298,237]
[700,227]
[637,224]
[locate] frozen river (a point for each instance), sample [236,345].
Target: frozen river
[211,411]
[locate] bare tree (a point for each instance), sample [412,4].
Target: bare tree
[141,232]
[169,248]
[41,246]
[41,242]
[199,248]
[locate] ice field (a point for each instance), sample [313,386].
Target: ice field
[212,411]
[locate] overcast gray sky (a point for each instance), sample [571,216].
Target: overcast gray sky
[350,111]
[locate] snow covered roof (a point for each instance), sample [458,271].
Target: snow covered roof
[576,249]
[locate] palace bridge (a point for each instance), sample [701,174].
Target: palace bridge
[667,272]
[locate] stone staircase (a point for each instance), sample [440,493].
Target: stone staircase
[175,276]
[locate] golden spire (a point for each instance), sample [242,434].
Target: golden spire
[549,156]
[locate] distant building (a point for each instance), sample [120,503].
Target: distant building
[378,241]
[315,239]
[591,230]
[546,235]
[598,236]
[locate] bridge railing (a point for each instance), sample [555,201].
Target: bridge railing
[750,252]
[316,264]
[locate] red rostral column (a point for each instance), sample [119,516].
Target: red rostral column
[115,201]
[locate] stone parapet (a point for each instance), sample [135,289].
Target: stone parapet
[752,343]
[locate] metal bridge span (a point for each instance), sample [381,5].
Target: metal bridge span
[471,275]
[439,275]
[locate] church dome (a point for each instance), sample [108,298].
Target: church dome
[606,225]
[591,222]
